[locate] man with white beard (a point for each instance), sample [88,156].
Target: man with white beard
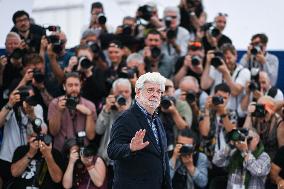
[138,142]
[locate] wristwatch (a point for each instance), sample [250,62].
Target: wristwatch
[8,106]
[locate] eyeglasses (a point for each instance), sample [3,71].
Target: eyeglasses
[222,14]
[152,91]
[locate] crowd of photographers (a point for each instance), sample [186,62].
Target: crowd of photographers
[223,119]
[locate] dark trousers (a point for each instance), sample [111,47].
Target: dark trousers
[110,175]
[5,172]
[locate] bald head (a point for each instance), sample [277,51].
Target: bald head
[189,83]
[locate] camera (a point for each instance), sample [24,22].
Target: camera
[168,21]
[216,61]
[216,100]
[38,76]
[255,50]
[53,39]
[155,52]
[166,101]
[129,73]
[36,123]
[238,134]
[259,111]
[190,96]
[186,149]
[24,94]
[53,28]
[17,54]
[71,102]
[146,12]
[254,84]
[95,47]
[213,31]
[120,101]
[171,34]
[195,60]
[84,62]
[84,151]
[126,30]
[101,18]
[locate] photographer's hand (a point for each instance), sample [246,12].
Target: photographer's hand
[242,145]
[176,153]
[137,141]
[260,57]
[73,61]
[34,146]
[188,162]
[45,149]
[110,101]
[27,77]
[29,110]
[3,62]
[61,103]
[14,98]
[83,109]
[74,156]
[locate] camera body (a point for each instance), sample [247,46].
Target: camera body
[146,12]
[186,149]
[166,101]
[213,31]
[155,52]
[256,49]
[129,73]
[71,102]
[17,54]
[83,150]
[120,101]
[38,76]
[238,134]
[126,30]
[253,86]
[259,111]
[216,100]
[190,96]
[171,34]
[216,61]
[101,18]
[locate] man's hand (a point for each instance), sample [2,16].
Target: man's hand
[28,76]
[3,61]
[73,61]
[14,98]
[45,149]
[34,145]
[83,109]
[110,101]
[242,145]
[176,152]
[137,141]
[61,103]
[280,184]
[260,57]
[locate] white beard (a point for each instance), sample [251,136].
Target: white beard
[153,104]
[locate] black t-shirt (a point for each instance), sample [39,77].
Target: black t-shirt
[279,160]
[27,177]
[179,65]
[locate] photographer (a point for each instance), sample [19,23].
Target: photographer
[176,36]
[258,57]
[192,14]
[222,67]
[37,165]
[247,163]
[30,33]
[117,102]
[71,113]
[188,167]
[267,122]
[216,121]
[154,58]
[213,37]
[190,64]
[20,111]
[85,169]
[175,114]
[93,77]
[261,87]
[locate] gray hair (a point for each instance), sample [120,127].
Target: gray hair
[190,79]
[173,9]
[154,77]
[13,34]
[89,32]
[121,81]
[136,57]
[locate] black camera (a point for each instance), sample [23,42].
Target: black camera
[255,50]
[253,86]
[216,61]
[129,73]
[120,101]
[95,47]
[216,100]
[126,30]
[171,34]
[190,96]
[53,28]
[36,123]
[101,18]
[259,111]
[53,39]
[168,21]
[213,31]
[38,76]
[84,62]
[186,149]
[238,134]
[145,12]
[155,52]
[166,101]
[195,60]
[80,141]
[17,54]
[71,102]
[24,94]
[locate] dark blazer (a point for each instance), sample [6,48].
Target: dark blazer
[144,169]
